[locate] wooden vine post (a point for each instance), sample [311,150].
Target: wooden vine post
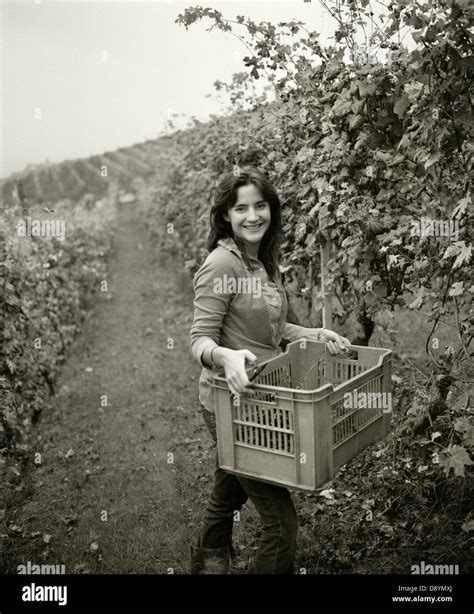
[325,251]
[20,194]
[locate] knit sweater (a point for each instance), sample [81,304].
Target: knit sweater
[237,308]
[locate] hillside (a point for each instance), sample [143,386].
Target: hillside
[73,179]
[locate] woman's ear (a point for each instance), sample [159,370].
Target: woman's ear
[226,217]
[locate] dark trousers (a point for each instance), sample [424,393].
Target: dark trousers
[279,522]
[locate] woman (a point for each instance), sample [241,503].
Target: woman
[240,319]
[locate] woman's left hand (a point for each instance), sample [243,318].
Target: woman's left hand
[336,344]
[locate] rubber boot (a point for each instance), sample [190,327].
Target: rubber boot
[209,560]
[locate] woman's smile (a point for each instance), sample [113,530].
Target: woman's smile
[256,227]
[252,232]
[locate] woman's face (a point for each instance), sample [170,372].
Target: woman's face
[250,216]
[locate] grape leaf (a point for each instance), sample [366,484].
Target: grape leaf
[468,526]
[401,106]
[457,288]
[462,425]
[457,458]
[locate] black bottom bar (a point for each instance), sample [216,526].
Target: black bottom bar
[22,593]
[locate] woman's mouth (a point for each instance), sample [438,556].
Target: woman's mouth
[253,228]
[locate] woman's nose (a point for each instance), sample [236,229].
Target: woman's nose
[252,215]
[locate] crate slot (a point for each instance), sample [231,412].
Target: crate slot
[350,420]
[264,427]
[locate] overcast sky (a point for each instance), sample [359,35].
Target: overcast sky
[105,74]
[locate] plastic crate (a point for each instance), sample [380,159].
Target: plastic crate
[298,426]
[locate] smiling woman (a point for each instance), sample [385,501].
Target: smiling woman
[231,329]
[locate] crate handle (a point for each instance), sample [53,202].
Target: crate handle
[269,397]
[352,354]
[258,369]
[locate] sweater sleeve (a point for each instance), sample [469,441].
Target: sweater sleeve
[293,332]
[211,301]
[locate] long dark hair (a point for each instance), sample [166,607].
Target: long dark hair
[225,196]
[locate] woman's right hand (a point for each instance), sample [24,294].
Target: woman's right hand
[234,363]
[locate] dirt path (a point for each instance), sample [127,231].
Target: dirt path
[126,461]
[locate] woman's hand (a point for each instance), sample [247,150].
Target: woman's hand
[234,363]
[336,344]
